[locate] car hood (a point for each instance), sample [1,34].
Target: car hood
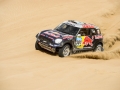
[56,34]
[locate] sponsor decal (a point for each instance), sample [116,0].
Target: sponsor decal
[88,41]
[42,34]
[54,34]
[88,26]
[79,41]
[47,36]
[68,37]
[98,36]
[82,41]
[51,38]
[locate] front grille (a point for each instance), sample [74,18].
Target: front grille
[46,39]
[47,47]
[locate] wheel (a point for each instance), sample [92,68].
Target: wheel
[64,51]
[99,48]
[37,46]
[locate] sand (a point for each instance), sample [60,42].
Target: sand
[24,68]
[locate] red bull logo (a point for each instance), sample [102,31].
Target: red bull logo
[84,41]
[88,41]
[88,26]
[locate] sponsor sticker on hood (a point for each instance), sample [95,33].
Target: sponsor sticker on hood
[52,33]
[68,37]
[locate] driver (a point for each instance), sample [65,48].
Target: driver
[82,33]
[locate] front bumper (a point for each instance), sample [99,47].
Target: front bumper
[47,47]
[48,44]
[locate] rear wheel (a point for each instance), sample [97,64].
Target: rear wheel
[37,46]
[64,51]
[99,48]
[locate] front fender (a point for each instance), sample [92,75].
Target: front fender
[70,42]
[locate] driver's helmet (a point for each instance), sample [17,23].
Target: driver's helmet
[82,33]
[93,31]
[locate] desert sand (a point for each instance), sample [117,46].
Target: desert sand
[24,68]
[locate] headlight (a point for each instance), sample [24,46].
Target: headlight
[58,41]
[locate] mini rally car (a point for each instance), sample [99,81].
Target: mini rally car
[70,37]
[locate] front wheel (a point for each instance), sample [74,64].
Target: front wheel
[64,51]
[99,48]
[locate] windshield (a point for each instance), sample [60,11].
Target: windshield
[68,29]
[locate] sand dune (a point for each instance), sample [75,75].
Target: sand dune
[24,68]
[111,32]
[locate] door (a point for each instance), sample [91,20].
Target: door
[84,39]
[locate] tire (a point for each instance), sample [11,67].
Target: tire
[99,48]
[37,46]
[64,51]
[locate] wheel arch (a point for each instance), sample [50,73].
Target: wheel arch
[97,44]
[69,45]
[62,50]
[100,43]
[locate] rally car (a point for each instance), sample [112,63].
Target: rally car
[70,37]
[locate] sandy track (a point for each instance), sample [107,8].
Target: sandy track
[24,68]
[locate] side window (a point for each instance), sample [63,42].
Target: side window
[84,31]
[93,31]
[98,32]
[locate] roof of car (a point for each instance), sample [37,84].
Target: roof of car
[80,24]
